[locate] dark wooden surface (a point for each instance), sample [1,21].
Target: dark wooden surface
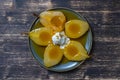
[17,62]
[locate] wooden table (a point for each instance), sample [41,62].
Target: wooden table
[17,62]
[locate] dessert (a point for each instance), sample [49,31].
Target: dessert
[59,34]
[53,19]
[52,55]
[41,36]
[75,51]
[76,28]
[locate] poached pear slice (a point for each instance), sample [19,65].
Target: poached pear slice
[41,36]
[75,51]
[53,19]
[52,55]
[76,28]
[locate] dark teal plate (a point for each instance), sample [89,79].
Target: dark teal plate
[69,65]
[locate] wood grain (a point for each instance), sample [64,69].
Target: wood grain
[17,62]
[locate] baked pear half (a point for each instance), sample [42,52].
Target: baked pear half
[76,28]
[74,51]
[52,55]
[53,19]
[41,36]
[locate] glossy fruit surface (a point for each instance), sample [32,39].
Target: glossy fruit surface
[41,36]
[52,55]
[53,19]
[76,28]
[75,51]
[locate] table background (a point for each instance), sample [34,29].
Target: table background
[17,62]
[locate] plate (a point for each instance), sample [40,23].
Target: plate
[38,51]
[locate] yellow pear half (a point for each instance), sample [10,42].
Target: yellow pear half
[41,36]
[75,51]
[52,55]
[76,28]
[53,19]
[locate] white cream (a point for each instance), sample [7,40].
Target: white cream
[60,39]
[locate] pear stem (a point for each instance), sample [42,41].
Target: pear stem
[36,15]
[25,33]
